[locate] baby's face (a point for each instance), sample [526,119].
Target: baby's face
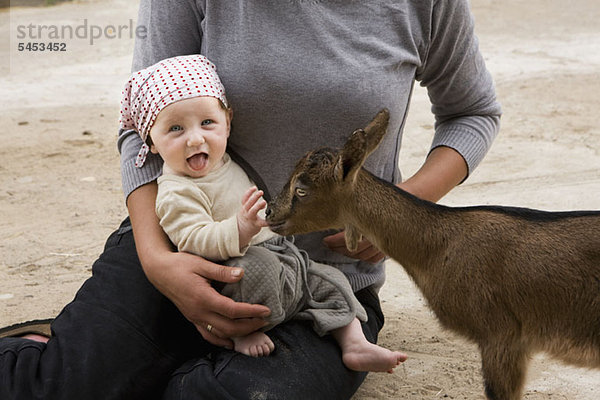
[191,136]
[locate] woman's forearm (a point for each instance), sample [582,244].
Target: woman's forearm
[150,239]
[442,171]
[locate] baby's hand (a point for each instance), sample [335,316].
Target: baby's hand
[249,222]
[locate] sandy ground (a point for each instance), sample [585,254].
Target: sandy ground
[60,190]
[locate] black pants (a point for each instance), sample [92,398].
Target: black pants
[121,339]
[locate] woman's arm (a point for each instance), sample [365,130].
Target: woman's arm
[185,278]
[460,87]
[463,100]
[443,169]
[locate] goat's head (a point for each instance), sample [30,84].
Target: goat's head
[322,180]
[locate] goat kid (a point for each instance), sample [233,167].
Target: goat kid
[515,281]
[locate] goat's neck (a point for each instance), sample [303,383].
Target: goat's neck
[402,226]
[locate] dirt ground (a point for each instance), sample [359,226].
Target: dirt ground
[60,192]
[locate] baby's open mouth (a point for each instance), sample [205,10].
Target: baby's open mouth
[198,161]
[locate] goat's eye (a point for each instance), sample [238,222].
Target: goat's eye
[301,192]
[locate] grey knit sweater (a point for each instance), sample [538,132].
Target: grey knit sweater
[305,73]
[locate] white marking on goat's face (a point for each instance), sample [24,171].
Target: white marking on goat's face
[307,202]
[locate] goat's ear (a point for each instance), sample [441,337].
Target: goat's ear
[352,156]
[376,129]
[361,143]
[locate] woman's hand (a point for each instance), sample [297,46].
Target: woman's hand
[185,278]
[365,251]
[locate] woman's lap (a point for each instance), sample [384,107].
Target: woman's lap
[121,339]
[303,366]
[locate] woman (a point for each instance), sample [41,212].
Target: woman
[300,74]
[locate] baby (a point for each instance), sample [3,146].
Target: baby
[208,206]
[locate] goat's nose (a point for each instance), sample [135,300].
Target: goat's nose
[268,212]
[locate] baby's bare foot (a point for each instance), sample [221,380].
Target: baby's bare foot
[359,354]
[366,356]
[256,344]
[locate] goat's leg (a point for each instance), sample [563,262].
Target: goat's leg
[503,366]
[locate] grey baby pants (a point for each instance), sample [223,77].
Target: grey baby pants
[280,276]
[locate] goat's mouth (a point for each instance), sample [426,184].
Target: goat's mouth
[280,227]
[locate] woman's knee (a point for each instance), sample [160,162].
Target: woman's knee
[303,366]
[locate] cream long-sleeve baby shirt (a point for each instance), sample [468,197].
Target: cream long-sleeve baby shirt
[200,214]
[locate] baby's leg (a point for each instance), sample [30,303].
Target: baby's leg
[261,283]
[256,344]
[359,354]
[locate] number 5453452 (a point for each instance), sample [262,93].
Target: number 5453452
[42,46]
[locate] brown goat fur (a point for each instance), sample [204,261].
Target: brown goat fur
[515,281]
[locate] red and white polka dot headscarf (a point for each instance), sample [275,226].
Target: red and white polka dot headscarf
[150,90]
